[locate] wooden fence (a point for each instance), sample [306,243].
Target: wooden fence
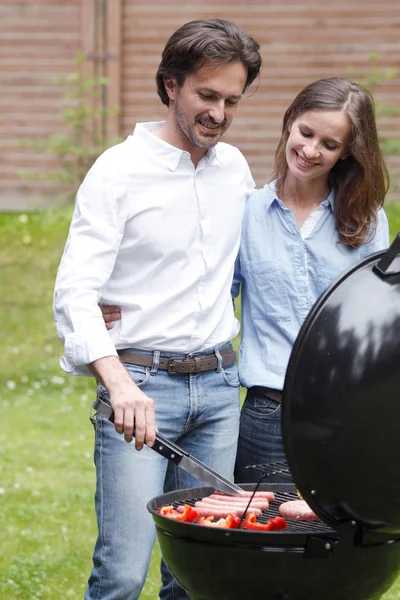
[301,40]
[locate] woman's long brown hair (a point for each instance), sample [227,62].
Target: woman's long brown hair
[360,180]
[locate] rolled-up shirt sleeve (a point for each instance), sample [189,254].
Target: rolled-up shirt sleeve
[88,260]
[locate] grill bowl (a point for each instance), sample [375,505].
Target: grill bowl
[307,561]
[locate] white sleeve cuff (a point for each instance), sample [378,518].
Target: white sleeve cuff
[79,352]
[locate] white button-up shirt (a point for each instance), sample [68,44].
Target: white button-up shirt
[158,237]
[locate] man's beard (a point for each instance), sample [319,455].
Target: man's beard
[189,133]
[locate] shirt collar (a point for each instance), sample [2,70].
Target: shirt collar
[214,154]
[170,155]
[330,201]
[272,196]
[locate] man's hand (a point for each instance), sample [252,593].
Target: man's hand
[110,314]
[133,410]
[133,414]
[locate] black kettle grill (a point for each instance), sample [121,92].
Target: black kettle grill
[341,429]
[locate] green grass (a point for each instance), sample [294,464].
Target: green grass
[47,524]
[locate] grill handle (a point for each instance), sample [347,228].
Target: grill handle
[161,445]
[381,268]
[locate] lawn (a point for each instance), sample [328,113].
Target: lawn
[46,440]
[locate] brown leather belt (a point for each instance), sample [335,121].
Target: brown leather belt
[197,364]
[271,393]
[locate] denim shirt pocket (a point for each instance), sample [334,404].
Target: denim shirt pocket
[267,290]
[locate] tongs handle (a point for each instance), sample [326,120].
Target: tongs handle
[161,445]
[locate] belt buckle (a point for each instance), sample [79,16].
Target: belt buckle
[171,361]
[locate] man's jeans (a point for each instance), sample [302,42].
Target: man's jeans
[198,412]
[260,439]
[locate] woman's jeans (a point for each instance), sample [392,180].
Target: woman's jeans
[260,438]
[199,412]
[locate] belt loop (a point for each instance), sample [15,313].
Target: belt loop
[156,362]
[219,357]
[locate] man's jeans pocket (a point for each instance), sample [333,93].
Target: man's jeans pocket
[231,376]
[140,375]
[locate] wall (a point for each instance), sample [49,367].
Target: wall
[301,40]
[38,41]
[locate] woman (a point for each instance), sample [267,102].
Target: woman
[319,215]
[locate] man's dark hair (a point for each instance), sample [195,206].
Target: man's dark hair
[207,40]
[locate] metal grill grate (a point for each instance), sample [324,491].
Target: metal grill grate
[269,469]
[294,526]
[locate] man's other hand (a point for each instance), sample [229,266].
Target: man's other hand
[110,314]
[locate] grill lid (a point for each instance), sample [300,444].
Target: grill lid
[341,399]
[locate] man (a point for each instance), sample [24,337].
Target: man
[156,231]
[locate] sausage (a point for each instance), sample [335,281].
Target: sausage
[258,503]
[222,510]
[231,505]
[297,509]
[269,495]
[219,513]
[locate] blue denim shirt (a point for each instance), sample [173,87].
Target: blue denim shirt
[282,275]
